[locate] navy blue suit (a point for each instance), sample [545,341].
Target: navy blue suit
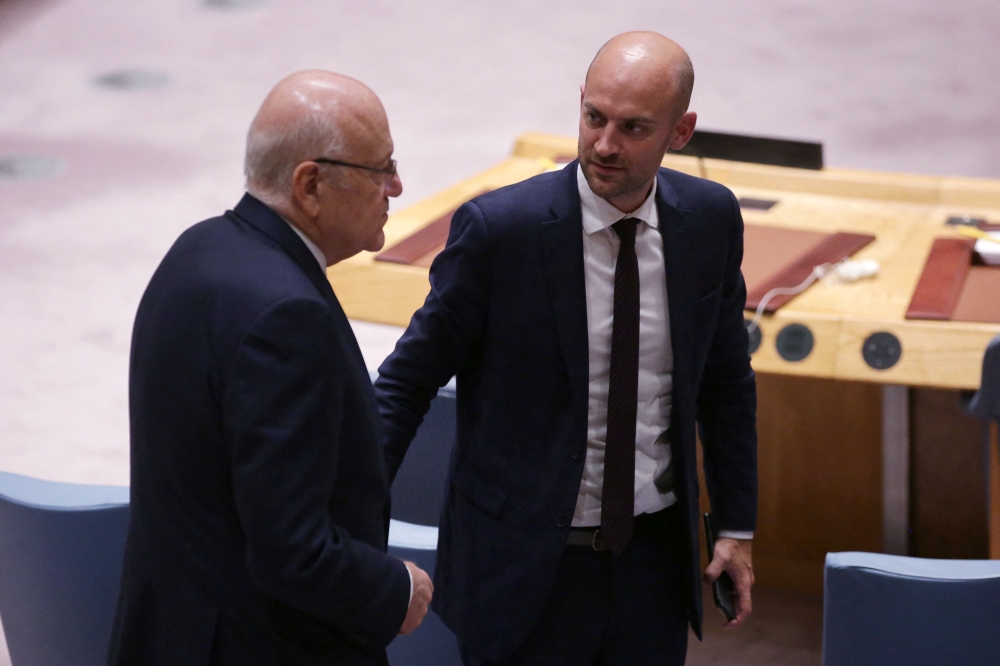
[506,314]
[259,496]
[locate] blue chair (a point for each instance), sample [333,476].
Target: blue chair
[61,549]
[419,487]
[881,610]
[417,495]
[432,644]
[986,402]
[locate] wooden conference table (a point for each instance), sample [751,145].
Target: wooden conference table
[855,453]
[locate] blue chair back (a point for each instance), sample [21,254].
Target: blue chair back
[61,549]
[432,644]
[887,609]
[986,402]
[419,488]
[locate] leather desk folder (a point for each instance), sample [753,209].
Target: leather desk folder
[420,247]
[773,256]
[955,286]
[776,257]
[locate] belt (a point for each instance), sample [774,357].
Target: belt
[590,537]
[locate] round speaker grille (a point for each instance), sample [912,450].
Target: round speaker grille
[794,343]
[881,350]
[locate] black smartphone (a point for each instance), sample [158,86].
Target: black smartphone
[722,589]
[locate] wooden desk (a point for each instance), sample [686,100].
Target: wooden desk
[841,443]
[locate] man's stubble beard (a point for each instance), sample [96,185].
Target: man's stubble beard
[627,183]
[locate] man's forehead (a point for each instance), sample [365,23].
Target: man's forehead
[626,102]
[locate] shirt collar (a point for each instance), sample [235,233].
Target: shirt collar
[599,214]
[312,247]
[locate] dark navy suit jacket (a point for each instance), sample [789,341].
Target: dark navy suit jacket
[506,314]
[259,496]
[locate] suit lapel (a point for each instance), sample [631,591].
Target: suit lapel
[563,238]
[257,214]
[261,217]
[678,257]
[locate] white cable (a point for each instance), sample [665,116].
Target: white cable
[817,273]
[845,270]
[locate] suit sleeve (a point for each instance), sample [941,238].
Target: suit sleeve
[727,401]
[283,416]
[443,337]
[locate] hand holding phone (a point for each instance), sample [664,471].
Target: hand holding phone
[723,589]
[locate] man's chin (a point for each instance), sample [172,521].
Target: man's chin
[603,186]
[377,243]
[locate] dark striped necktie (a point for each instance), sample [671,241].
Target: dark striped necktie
[618,494]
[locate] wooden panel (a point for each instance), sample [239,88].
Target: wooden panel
[935,353]
[821,361]
[973,192]
[948,478]
[388,293]
[949,191]
[836,182]
[552,147]
[819,461]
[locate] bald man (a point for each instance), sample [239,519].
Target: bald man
[259,498]
[594,320]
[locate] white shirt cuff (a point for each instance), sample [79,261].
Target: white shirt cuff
[410,574]
[732,534]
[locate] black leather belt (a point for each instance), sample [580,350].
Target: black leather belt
[590,537]
[587,537]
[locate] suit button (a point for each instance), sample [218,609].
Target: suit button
[560,520]
[577,454]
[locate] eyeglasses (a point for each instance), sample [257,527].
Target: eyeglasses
[389,170]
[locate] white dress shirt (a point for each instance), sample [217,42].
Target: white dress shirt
[653,477]
[312,247]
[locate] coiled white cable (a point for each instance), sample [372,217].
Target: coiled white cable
[844,270]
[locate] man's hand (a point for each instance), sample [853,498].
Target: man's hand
[423,590]
[733,556]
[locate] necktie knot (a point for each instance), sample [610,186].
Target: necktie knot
[625,228]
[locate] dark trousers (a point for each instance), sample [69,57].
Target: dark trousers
[629,610]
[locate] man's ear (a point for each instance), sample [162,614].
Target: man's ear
[683,130]
[305,185]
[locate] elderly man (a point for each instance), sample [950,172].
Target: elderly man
[593,317]
[259,495]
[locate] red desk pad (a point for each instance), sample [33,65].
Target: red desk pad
[955,287]
[781,257]
[420,247]
[773,256]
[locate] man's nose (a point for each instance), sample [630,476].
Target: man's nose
[395,186]
[606,144]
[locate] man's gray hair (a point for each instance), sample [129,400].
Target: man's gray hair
[273,152]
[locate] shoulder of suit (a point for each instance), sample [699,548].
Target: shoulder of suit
[528,199]
[223,256]
[698,194]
